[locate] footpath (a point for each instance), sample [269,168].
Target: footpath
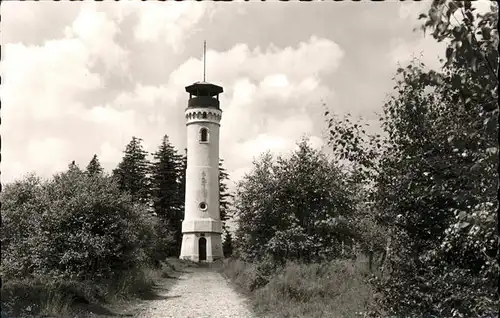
[193,292]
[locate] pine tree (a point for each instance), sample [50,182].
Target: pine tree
[73,167]
[166,194]
[132,172]
[224,195]
[182,179]
[94,167]
[227,245]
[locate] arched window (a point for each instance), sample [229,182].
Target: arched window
[204,134]
[204,115]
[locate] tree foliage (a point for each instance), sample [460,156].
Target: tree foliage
[72,226]
[227,244]
[472,44]
[225,196]
[182,180]
[431,175]
[437,191]
[357,152]
[225,203]
[429,181]
[94,167]
[132,173]
[166,189]
[296,208]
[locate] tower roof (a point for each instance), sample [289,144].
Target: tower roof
[204,89]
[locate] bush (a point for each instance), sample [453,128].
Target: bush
[73,226]
[75,238]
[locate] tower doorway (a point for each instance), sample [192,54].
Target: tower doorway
[202,248]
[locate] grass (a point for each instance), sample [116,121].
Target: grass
[333,289]
[46,296]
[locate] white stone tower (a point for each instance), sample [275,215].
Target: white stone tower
[202,227]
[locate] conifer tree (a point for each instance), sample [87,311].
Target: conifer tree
[182,179]
[181,183]
[166,176]
[132,172]
[94,167]
[224,195]
[227,245]
[224,202]
[73,167]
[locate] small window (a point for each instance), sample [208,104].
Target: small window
[203,206]
[204,135]
[204,115]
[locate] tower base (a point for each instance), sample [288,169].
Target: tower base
[201,247]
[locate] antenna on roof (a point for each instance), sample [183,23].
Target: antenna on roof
[204,59]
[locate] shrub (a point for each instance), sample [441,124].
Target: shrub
[74,226]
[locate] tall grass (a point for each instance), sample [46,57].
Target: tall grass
[332,289]
[46,296]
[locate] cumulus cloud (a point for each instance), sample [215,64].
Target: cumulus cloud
[263,107]
[313,57]
[269,105]
[264,103]
[171,24]
[60,66]
[81,90]
[97,32]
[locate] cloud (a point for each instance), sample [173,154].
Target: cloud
[269,105]
[58,71]
[46,153]
[97,32]
[42,92]
[264,104]
[314,57]
[264,142]
[171,23]
[108,153]
[110,71]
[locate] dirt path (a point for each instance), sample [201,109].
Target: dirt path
[198,293]
[189,292]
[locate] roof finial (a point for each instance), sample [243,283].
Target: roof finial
[204,58]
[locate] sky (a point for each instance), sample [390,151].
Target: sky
[82,78]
